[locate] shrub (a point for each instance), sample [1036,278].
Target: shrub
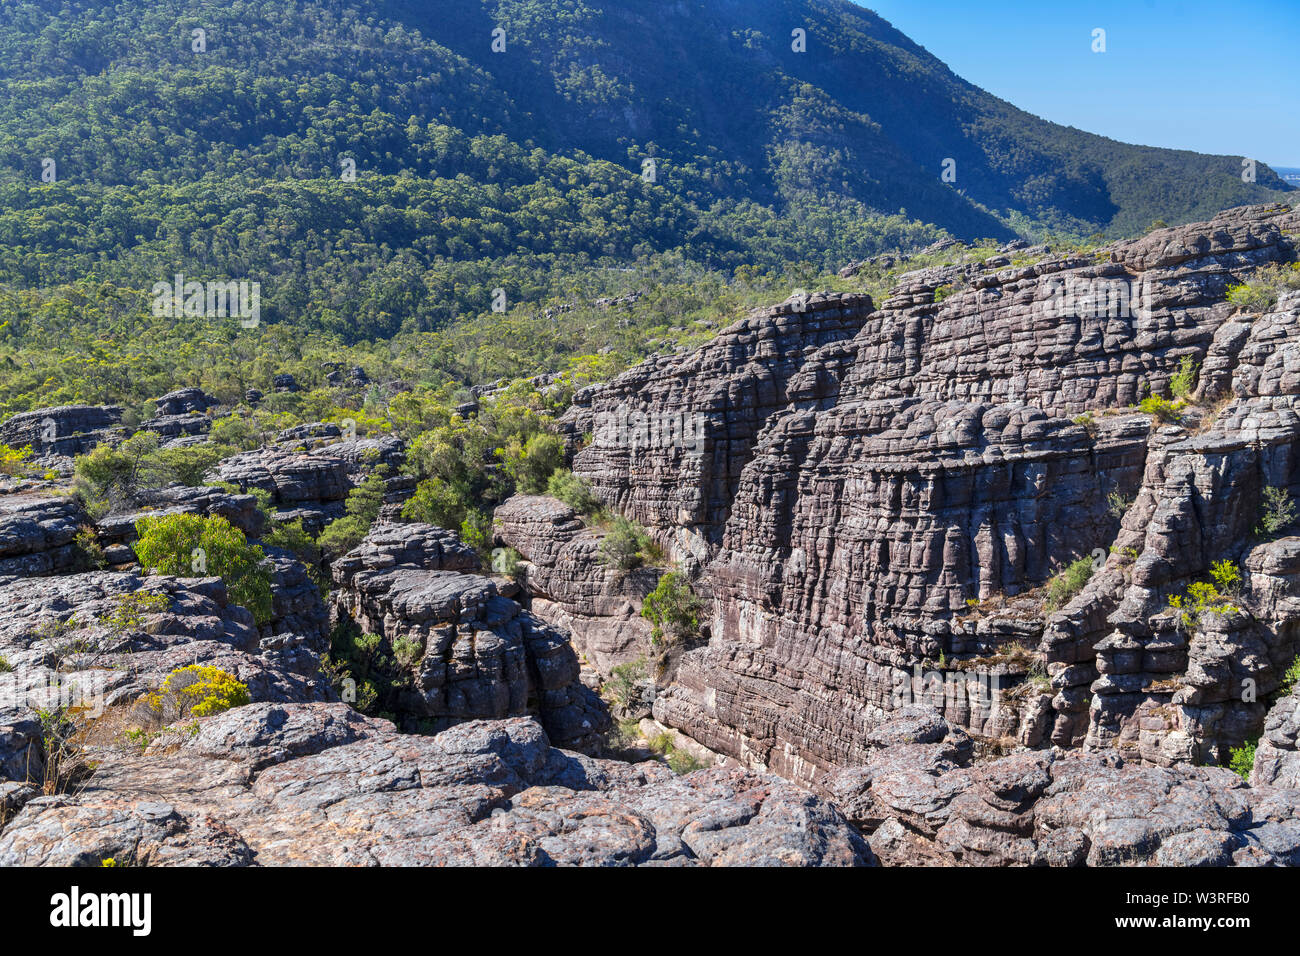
[361,509]
[293,537]
[476,531]
[88,555]
[681,762]
[1242,760]
[625,545]
[1117,504]
[1289,679]
[197,690]
[533,462]
[408,650]
[5,666]
[1183,381]
[623,689]
[1277,510]
[672,609]
[129,610]
[189,463]
[1252,297]
[109,477]
[1260,292]
[1202,596]
[1226,575]
[438,502]
[1162,408]
[1067,584]
[14,461]
[187,545]
[573,491]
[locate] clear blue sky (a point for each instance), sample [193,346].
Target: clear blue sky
[1189,74]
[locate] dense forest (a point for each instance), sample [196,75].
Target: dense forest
[383,168]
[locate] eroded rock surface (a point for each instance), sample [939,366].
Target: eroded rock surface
[923,803]
[460,649]
[318,784]
[945,450]
[571,587]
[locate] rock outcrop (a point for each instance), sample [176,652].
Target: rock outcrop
[459,649]
[318,784]
[959,445]
[571,587]
[924,803]
[308,476]
[38,535]
[64,430]
[670,437]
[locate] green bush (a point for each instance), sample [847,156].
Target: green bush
[189,463]
[476,531]
[438,502]
[1162,408]
[191,545]
[573,491]
[532,462]
[625,545]
[111,477]
[1203,596]
[1067,584]
[623,689]
[1277,511]
[673,609]
[1182,382]
[1242,760]
[361,509]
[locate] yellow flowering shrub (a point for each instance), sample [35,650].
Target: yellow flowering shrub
[197,691]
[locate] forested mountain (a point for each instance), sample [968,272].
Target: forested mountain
[227,154]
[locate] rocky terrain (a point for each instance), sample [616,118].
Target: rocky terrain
[870,507]
[875,501]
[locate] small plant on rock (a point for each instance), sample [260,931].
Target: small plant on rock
[672,609]
[1182,382]
[1277,511]
[626,544]
[1067,584]
[1242,759]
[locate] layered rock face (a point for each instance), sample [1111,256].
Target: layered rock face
[309,474]
[1159,689]
[670,437]
[571,587]
[298,784]
[929,461]
[466,651]
[38,534]
[923,803]
[65,431]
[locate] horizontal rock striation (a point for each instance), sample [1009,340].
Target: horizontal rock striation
[571,587]
[65,430]
[960,446]
[670,437]
[38,535]
[469,652]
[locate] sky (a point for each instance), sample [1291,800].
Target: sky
[1215,77]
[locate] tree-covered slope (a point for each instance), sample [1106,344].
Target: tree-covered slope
[519,169]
